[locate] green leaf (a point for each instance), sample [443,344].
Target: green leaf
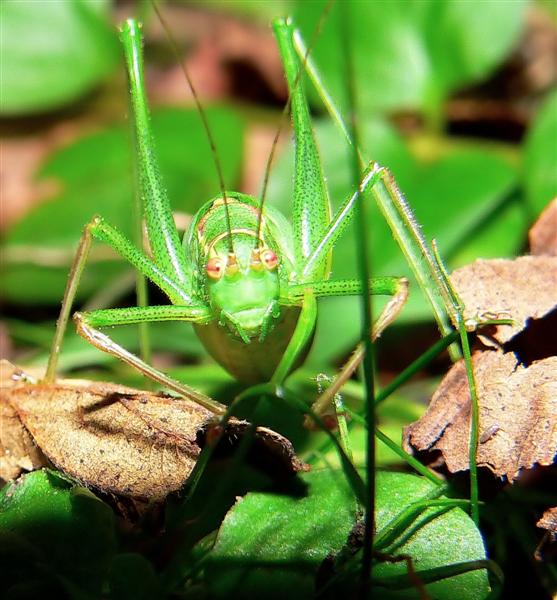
[277,542]
[54,52]
[132,577]
[54,531]
[540,157]
[435,539]
[412,54]
[274,544]
[94,175]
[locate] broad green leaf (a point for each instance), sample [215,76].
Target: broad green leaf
[273,545]
[434,539]
[55,532]
[540,157]
[276,542]
[94,175]
[412,54]
[52,53]
[132,577]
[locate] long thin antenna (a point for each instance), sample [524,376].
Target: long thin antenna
[203,116]
[286,111]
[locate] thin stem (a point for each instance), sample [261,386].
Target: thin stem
[392,445]
[362,245]
[416,366]
[458,318]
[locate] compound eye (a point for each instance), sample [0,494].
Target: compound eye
[269,259]
[215,268]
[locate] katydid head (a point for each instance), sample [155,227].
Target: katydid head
[243,289]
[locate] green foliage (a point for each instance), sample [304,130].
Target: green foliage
[53,533]
[132,577]
[274,544]
[540,157]
[94,175]
[413,54]
[53,52]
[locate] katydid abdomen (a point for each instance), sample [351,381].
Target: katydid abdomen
[257,361]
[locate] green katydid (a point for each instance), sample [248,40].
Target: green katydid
[244,276]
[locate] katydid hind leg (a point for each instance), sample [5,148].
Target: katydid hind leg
[311,207]
[106,344]
[324,404]
[163,236]
[98,229]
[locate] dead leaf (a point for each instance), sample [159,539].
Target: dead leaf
[89,432]
[518,415]
[549,520]
[121,440]
[520,289]
[543,234]
[18,452]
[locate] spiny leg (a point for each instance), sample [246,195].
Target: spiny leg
[310,207]
[102,231]
[323,404]
[86,324]
[315,235]
[186,309]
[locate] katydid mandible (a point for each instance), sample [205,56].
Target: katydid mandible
[245,277]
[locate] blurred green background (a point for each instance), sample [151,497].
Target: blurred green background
[456,98]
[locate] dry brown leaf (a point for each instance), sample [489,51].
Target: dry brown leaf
[125,441]
[518,415]
[520,289]
[89,432]
[549,520]
[18,453]
[543,234]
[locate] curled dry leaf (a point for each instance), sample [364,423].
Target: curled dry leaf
[549,520]
[543,235]
[518,415]
[520,289]
[18,453]
[125,441]
[99,434]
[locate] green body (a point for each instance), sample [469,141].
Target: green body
[249,289]
[250,299]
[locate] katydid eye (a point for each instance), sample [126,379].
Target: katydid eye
[269,259]
[215,267]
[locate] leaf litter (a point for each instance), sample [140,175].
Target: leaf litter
[117,439]
[514,368]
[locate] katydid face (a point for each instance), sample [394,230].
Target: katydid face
[244,290]
[242,270]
